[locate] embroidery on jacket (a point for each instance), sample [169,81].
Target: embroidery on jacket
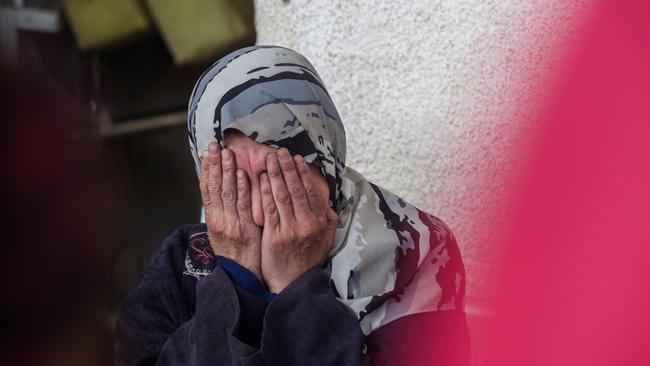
[199,257]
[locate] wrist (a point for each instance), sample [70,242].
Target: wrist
[247,256]
[278,284]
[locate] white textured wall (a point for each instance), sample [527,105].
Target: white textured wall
[435,95]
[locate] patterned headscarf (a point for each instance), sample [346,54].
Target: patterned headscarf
[389,259]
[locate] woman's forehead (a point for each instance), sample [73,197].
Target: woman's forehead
[234,139]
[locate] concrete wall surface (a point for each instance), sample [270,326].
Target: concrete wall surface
[439,97]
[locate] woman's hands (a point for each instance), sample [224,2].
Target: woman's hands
[299,226]
[225,192]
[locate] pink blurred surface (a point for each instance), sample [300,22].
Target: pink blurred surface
[575,287]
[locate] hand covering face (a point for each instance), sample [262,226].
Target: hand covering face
[389,258]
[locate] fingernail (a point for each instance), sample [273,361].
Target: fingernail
[300,160]
[284,153]
[205,154]
[263,177]
[213,147]
[269,158]
[226,155]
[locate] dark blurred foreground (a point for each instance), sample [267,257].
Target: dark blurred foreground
[57,250]
[96,166]
[83,215]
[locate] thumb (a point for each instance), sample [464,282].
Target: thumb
[332,223]
[330,228]
[332,218]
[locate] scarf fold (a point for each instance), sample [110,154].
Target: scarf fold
[389,258]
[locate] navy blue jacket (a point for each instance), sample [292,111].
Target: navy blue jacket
[173,318]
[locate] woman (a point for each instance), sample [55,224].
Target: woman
[301,260]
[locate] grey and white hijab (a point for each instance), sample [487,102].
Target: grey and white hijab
[389,259]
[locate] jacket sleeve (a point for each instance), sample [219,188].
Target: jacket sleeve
[210,337]
[157,325]
[432,338]
[304,324]
[151,311]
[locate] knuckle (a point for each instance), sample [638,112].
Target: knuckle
[215,229]
[313,192]
[229,235]
[203,185]
[242,187]
[274,173]
[305,237]
[270,208]
[265,189]
[283,199]
[319,221]
[229,228]
[213,162]
[227,196]
[302,236]
[297,190]
[277,246]
[312,227]
[215,187]
[242,206]
[228,169]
